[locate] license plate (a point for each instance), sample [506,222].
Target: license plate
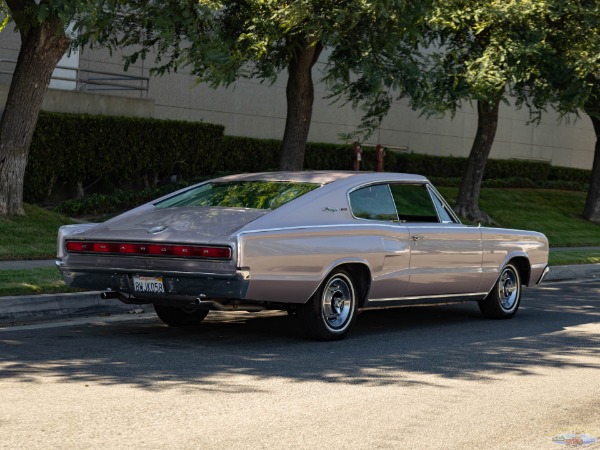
[148,285]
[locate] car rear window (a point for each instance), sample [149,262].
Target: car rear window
[240,194]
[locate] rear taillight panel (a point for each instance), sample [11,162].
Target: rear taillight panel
[150,249]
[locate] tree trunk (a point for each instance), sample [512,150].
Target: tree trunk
[41,49]
[592,204]
[467,202]
[300,96]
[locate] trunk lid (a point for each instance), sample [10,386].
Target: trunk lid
[181,225]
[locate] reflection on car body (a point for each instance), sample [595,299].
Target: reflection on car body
[323,245]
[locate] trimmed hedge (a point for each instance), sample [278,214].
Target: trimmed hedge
[453,167]
[79,148]
[101,204]
[126,152]
[257,155]
[242,154]
[569,174]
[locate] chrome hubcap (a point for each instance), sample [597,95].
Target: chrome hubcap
[337,302]
[508,289]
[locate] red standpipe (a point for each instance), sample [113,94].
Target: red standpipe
[357,156]
[380,154]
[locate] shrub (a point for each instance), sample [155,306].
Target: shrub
[511,168]
[430,166]
[126,152]
[569,174]
[242,154]
[79,148]
[101,204]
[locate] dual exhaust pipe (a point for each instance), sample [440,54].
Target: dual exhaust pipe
[200,302]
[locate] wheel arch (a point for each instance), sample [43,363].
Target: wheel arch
[361,276]
[523,265]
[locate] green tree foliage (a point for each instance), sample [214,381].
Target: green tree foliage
[528,53]
[221,41]
[487,52]
[571,75]
[42,26]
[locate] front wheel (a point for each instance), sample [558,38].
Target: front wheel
[504,299]
[331,311]
[178,317]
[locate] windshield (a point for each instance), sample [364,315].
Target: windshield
[240,194]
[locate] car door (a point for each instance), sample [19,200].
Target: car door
[445,256]
[373,207]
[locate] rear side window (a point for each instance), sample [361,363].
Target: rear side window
[373,203]
[413,203]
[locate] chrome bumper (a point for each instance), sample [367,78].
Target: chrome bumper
[544,273]
[177,285]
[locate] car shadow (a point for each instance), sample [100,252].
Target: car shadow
[557,327]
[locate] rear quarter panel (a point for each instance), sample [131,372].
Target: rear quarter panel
[288,265]
[502,245]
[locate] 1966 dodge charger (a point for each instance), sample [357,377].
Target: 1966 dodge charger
[322,245]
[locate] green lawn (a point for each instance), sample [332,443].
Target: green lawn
[32,236]
[555,213]
[32,281]
[574,257]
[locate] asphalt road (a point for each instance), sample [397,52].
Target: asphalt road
[428,378]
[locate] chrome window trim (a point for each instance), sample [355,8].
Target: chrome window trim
[374,183]
[434,192]
[431,190]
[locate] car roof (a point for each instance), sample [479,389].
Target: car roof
[322,177]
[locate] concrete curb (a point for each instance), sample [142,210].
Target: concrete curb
[24,308]
[49,306]
[573,272]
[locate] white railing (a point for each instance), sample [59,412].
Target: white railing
[90,80]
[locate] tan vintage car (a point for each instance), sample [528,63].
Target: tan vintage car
[322,245]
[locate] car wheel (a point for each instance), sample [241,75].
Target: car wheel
[331,311]
[177,317]
[504,299]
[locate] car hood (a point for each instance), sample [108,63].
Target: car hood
[182,224]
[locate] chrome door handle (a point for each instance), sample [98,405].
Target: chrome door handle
[417,237]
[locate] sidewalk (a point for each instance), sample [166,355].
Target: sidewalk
[27,264]
[25,308]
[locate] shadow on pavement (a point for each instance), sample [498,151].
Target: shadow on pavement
[552,330]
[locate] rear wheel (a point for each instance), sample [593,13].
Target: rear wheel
[178,317]
[504,300]
[331,311]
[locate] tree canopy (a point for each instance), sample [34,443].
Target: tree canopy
[42,27]
[486,51]
[440,54]
[519,52]
[535,53]
[221,41]
[572,75]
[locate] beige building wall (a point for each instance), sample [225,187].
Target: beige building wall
[255,109]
